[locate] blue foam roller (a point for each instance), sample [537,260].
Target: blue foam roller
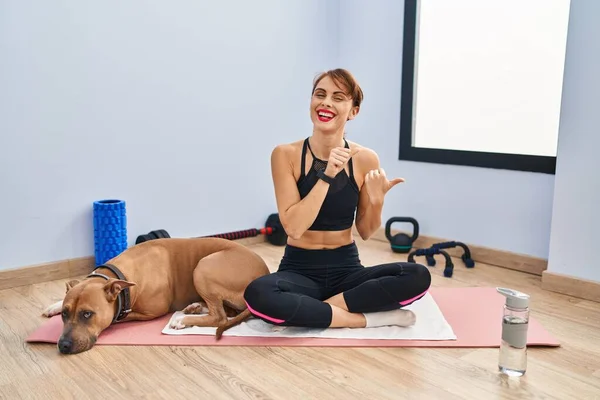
[110,229]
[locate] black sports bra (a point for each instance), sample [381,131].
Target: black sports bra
[339,206]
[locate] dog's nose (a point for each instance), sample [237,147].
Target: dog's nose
[65,345]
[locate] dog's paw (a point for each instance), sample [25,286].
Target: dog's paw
[53,310]
[196,308]
[177,322]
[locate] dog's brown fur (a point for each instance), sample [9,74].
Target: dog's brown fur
[164,276]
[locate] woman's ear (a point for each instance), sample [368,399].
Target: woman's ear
[353,113]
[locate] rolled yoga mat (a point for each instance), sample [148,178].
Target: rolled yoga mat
[473,313]
[110,229]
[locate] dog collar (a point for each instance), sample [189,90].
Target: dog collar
[123,298]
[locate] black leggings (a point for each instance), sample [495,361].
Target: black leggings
[293,296]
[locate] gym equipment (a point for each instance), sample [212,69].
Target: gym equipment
[157,234]
[401,242]
[466,257]
[273,230]
[430,252]
[110,229]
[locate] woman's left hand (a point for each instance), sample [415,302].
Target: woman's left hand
[378,185]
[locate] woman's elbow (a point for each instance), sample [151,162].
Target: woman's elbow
[294,233]
[295,236]
[290,229]
[364,235]
[364,232]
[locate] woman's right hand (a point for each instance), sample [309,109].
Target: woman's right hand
[338,158]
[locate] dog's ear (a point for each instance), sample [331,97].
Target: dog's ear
[114,286]
[70,284]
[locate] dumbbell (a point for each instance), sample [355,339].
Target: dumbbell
[273,230]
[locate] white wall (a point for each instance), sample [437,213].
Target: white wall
[167,105]
[448,201]
[95,96]
[575,216]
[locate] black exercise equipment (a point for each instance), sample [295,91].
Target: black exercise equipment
[401,242]
[430,252]
[466,257]
[158,234]
[273,231]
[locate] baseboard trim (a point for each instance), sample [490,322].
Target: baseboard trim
[486,255]
[571,286]
[80,266]
[63,269]
[49,271]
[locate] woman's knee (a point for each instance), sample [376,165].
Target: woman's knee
[423,276]
[261,297]
[417,276]
[259,291]
[420,277]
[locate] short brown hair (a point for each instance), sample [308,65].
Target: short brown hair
[344,79]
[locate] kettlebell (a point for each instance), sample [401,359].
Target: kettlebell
[401,242]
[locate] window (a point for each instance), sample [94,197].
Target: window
[482,82]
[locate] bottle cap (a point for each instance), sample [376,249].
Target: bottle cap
[514,299]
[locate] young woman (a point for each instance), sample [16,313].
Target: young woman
[320,184]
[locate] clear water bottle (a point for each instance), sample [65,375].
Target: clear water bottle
[515,322]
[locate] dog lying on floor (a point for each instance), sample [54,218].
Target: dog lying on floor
[157,277]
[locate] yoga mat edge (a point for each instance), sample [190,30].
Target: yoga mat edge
[474,313]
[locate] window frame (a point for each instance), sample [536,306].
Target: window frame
[407,152]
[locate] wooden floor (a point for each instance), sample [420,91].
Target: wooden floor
[569,372]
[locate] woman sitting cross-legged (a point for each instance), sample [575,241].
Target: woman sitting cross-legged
[320,183]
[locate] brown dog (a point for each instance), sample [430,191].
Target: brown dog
[157,277]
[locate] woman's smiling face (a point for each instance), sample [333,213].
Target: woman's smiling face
[331,106]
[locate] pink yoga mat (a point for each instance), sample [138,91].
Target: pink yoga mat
[473,313]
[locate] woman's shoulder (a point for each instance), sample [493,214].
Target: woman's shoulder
[366,157]
[287,151]
[290,146]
